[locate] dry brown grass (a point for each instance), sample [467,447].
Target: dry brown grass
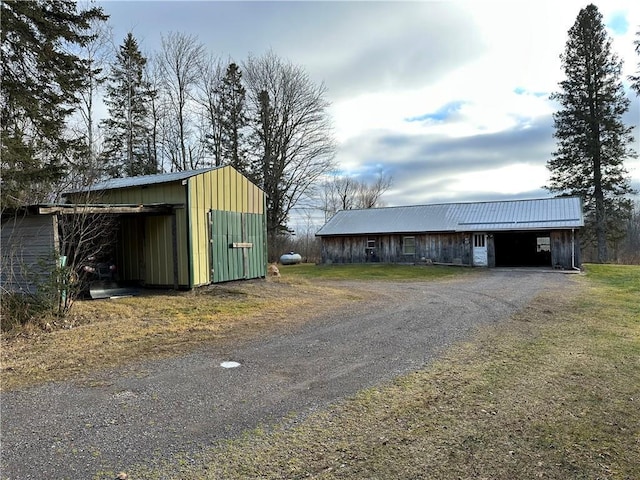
[110,333]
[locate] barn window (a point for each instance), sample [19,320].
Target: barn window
[543,244]
[371,243]
[479,240]
[409,245]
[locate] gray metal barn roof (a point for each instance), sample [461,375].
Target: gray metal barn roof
[127,182]
[541,214]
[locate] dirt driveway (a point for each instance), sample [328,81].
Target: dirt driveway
[181,406]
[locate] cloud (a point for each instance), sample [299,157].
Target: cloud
[443,113]
[426,167]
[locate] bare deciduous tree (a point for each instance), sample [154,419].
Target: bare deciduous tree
[208,97]
[292,131]
[180,62]
[348,193]
[97,54]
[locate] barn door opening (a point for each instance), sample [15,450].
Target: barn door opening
[480,250]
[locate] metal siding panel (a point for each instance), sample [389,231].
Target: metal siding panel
[159,268]
[198,191]
[28,251]
[229,262]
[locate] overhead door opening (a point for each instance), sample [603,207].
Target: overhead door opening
[522,249]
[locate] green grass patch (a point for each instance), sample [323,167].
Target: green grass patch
[554,393]
[372,271]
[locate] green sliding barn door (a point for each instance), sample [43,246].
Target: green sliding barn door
[238,247]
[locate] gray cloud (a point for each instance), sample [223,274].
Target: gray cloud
[439,155]
[421,165]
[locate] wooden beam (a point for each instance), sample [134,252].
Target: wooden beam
[105,209]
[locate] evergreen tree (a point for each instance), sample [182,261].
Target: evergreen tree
[127,130]
[233,119]
[40,82]
[635,79]
[592,140]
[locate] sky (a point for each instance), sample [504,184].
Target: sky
[450,99]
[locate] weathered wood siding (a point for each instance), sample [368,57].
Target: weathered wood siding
[28,246]
[562,244]
[438,247]
[453,248]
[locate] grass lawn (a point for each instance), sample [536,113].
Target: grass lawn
[554,393]
[373,271]
[102,334]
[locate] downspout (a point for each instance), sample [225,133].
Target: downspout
[573,251]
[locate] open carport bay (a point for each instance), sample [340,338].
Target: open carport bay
[522,249]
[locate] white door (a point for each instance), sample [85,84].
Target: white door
[480,250]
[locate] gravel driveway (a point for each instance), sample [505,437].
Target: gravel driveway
[154,410]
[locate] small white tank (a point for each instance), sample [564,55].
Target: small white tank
[290,258]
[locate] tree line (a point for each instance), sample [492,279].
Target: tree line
[184,108]
[180,108]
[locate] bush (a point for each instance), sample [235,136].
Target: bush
[19,309]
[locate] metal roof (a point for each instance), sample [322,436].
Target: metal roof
[127,182]
[540,214]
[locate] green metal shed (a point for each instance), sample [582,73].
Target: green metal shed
[216,231]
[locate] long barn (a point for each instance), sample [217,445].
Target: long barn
[540,232]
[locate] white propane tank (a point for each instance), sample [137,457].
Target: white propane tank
[290,258]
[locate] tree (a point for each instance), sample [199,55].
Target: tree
[40,84]
[211,73]
[97,54]
[348,193]
[127,129]
[592,140]
[233,119]
[635,79]
[292,133]
[180,63]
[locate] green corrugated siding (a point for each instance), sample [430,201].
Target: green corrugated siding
[229,263]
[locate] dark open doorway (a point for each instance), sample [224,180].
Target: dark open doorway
[522,249]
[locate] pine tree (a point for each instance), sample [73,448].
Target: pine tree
[127,130]
[40,82]
[592,140]
[233,119]
[635,79]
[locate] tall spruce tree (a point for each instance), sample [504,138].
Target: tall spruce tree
[635,79]
[40,82]
[127,129]
[592,140]
[233,119]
